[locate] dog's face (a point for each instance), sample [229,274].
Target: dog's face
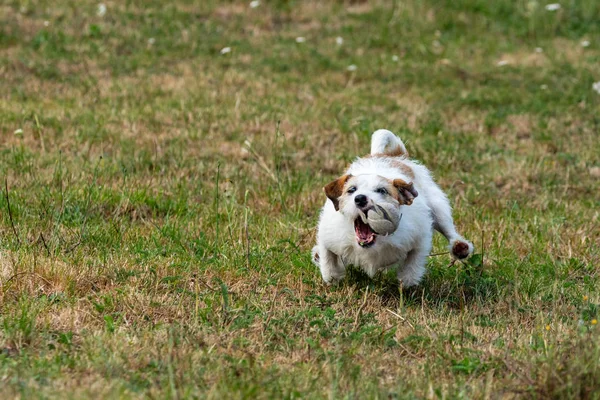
[356,195]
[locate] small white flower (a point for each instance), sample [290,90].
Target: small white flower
[544,87]
[339,40]
[502,63]
[580,322]
[553,7]
[300,39]
[395,58]
[585,43]
[46,23]
[539,50]
[254,4]
[226,50]
[351,68]
[151,41]
[101,11]
[18,131]
[596,87]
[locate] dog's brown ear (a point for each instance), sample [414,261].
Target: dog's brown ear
[406,191]
[334,190]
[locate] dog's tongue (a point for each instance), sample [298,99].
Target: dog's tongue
[364,233]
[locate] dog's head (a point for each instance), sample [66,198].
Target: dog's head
[356,195]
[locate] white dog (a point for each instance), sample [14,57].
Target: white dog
[385,178]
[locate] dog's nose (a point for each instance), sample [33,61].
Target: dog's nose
[361,200]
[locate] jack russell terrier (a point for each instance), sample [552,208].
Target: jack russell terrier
[389,186]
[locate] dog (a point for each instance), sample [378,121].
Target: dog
[385,178]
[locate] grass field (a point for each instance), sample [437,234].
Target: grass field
[162,166]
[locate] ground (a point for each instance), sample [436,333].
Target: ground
[162,166]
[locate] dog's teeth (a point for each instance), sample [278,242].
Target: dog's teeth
[363,217]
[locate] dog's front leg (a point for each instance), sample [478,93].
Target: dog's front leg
[411,272]
[330,264]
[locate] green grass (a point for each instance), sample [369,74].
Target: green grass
[164,197]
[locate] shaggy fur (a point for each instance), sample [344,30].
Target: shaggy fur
[386,177]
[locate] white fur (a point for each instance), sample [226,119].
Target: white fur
[407,247]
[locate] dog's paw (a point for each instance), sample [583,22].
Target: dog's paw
[461,248]
[332,279]
[407,282]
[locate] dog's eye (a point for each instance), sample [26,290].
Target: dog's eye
[382,191]
[352,189]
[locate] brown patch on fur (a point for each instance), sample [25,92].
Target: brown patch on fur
[334,190]
[403,167]
[394,162]
[460,250]
[406,192]
[398,152]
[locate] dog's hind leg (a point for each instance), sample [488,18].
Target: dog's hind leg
[330,264]
[442,222]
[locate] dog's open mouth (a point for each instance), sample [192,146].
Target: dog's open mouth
[364,234]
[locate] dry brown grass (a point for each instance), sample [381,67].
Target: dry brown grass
[177,189]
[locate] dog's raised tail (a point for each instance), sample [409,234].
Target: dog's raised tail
[384,142]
